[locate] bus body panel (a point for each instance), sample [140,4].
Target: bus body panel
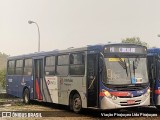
[16,85]
[109,103]
[120,99]
[61,87]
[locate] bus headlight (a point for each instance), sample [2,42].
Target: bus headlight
[106,93]
[109,95]
[148,92]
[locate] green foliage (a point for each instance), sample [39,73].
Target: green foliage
[3,66]
[3,61]
[3,78]
[135,40]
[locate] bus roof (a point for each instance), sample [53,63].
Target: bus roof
[154,50]
[98,47]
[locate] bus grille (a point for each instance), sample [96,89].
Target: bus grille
[137,102]
[128,96]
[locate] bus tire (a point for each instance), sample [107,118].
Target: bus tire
[26,97]
[76,103]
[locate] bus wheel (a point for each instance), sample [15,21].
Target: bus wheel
[26,96]
[76,103]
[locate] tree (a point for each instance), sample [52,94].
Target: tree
[3,78]
[3,65]
[135,40]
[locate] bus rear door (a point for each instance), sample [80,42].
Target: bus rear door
[38,79]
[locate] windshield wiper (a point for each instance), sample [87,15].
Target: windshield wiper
[134,68]
[122,63]
[135,64]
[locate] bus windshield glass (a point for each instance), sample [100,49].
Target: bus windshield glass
[125,70]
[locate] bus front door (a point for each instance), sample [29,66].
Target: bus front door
[38,79]
[92,80]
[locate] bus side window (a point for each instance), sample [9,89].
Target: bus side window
[71,59]
[11,67]
[19,67]
[50,65]
[62,65]
[28,67]
[77,66]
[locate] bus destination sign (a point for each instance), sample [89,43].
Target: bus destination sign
[120,49]
[123,50]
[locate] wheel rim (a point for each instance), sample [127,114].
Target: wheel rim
[26,98]
[77,103]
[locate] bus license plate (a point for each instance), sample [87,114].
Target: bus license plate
[130,102]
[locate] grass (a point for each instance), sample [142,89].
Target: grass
[2,100]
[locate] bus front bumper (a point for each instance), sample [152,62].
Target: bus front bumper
[112,103]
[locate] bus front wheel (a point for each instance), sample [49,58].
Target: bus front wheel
[76,103]
[26,96]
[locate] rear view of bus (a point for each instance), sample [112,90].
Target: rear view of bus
[125,80]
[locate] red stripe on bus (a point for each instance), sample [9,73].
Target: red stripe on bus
[117,94]
[101,94]
[157,91]
[120,94]
[38,92]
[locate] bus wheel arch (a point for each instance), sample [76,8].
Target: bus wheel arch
[26,95]
[75,102]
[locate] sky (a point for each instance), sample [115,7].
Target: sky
[75,23]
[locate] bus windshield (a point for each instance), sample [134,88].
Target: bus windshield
[120,71]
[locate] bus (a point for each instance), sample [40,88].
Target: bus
[100,77]
[153,58]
